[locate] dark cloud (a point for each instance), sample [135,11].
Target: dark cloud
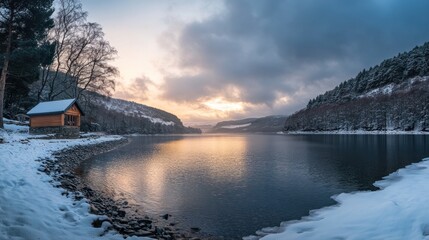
[268,49]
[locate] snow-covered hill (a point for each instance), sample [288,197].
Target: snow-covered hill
[121,116]
[391,96]
[133,109]
[402,69]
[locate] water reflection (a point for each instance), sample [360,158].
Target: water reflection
[232,185]
[152,166]
[154,183]
[220,160]
[362,159]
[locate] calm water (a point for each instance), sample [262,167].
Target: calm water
[233,185]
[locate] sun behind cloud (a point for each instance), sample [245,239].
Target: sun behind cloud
[223,105]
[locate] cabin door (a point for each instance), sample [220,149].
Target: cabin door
[70,120]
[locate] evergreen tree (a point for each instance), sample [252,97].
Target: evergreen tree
[23,28]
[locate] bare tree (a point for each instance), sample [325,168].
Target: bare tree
[67,21]
[82,58]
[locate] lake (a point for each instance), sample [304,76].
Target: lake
[234,185]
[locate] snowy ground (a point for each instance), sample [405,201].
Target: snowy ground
[30,207]
[398,211]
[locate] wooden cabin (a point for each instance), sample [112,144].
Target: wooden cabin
[56,117]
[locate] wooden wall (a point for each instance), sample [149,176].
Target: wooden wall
[47,121]
[73,111]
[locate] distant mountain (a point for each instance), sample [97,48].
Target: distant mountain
[264,124]
[203,127]
[391,96]
[121,116]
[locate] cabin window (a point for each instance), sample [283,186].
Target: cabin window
[70,120]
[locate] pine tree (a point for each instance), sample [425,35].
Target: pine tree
[23,27]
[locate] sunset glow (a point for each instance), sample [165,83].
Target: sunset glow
[225,119]
[184,56]
[220,104]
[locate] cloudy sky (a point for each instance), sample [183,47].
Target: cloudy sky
[208,61]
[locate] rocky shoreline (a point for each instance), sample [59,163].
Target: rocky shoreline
[118,213]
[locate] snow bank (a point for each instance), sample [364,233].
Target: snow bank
[397,211]
[358,132]
[30,207]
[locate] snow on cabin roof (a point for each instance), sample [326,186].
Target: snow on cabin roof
[53,107]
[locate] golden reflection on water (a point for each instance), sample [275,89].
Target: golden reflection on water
[155,181]
[230,184]
[123,178]
[220,159]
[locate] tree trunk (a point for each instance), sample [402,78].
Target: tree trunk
[5,67]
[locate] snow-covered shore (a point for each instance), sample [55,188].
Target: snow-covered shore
[356,132]
[397,211]
[30,206]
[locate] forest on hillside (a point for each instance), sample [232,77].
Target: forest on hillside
[391,96]
[124,117]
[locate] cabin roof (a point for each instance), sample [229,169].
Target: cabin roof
[53,107]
